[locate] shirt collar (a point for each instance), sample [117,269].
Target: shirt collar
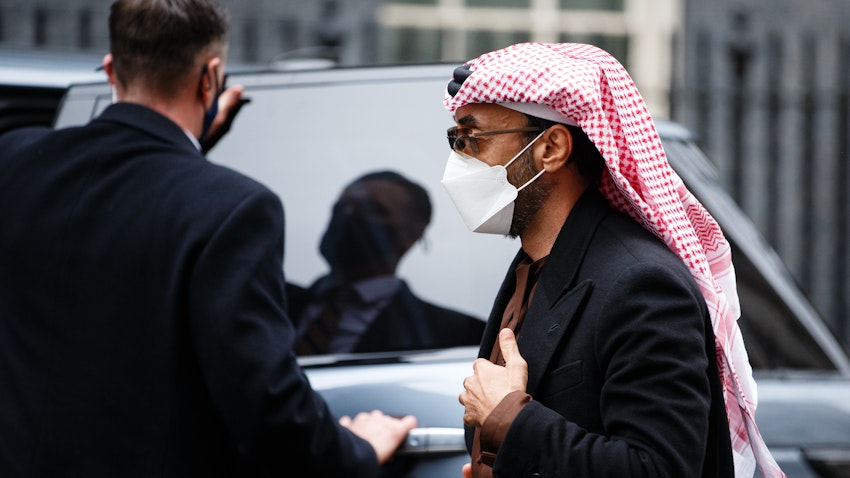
[193,139]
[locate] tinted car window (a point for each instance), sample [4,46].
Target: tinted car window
[772,308]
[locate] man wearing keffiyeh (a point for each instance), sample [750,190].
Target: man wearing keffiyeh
[612,349]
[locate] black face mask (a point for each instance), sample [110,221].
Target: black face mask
[358,246]
[211,113]
[209,116]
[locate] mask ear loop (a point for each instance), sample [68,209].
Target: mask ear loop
[531,180]
[524,149]
[539,173]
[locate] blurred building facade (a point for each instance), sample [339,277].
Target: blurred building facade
[638,32]
[762,83]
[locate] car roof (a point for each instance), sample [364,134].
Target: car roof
[48,69]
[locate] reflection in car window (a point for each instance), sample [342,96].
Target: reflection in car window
[774,336]
[361,305]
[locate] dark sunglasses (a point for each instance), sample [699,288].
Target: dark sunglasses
[460,139]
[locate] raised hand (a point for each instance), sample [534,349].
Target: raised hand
[490,383]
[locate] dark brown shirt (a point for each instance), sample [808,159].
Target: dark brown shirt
[489,437]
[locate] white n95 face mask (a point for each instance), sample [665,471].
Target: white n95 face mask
[482,193]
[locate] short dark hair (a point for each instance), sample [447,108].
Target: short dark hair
[419,208]
[588,159]
[159,41]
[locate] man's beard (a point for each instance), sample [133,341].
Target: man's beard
[530,200]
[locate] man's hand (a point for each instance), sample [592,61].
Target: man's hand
[490,383]
[383,432]
[229,104]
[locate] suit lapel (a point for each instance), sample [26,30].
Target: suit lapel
[558,298]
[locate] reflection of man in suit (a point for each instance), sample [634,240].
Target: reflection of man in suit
[361,305]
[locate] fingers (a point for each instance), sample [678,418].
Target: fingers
[230,97]
[470,397]
[408,422]
[467,470]
[384,432]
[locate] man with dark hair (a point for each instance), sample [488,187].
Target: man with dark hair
[361,305]
[143,325]
[612,349]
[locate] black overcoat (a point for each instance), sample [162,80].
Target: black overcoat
[143,330]
[621,360]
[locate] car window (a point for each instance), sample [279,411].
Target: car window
[357,162]
[777,322]
[774,336]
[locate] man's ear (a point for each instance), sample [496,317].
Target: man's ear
[211,81]
[106,66]
[212,75]
[557,145]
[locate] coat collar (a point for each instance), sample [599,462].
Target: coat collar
[144,119]
[563,263]
[559,273]
[557,288]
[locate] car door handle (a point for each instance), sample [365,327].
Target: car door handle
[422,441]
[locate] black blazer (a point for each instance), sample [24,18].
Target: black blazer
[406,323]
[621,360]
[143,329]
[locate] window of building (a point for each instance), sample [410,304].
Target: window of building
[481,41]
[613,5]
[616,45]
[404,45]
[499,3]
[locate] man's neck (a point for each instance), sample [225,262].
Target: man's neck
[177,110]
[540,235]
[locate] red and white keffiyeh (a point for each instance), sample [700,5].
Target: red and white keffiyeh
[584,85]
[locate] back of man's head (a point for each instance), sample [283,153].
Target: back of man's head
[419,204]
[158,42]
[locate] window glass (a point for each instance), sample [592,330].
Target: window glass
[616,5]
[401,45]
[479,42]
[416,2]
[775,339]
[358,164]
[774,335]
[617,45]
[498,3]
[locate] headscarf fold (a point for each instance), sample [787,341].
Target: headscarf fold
[585,85]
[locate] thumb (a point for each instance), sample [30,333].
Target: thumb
[516,365]
[507,342]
